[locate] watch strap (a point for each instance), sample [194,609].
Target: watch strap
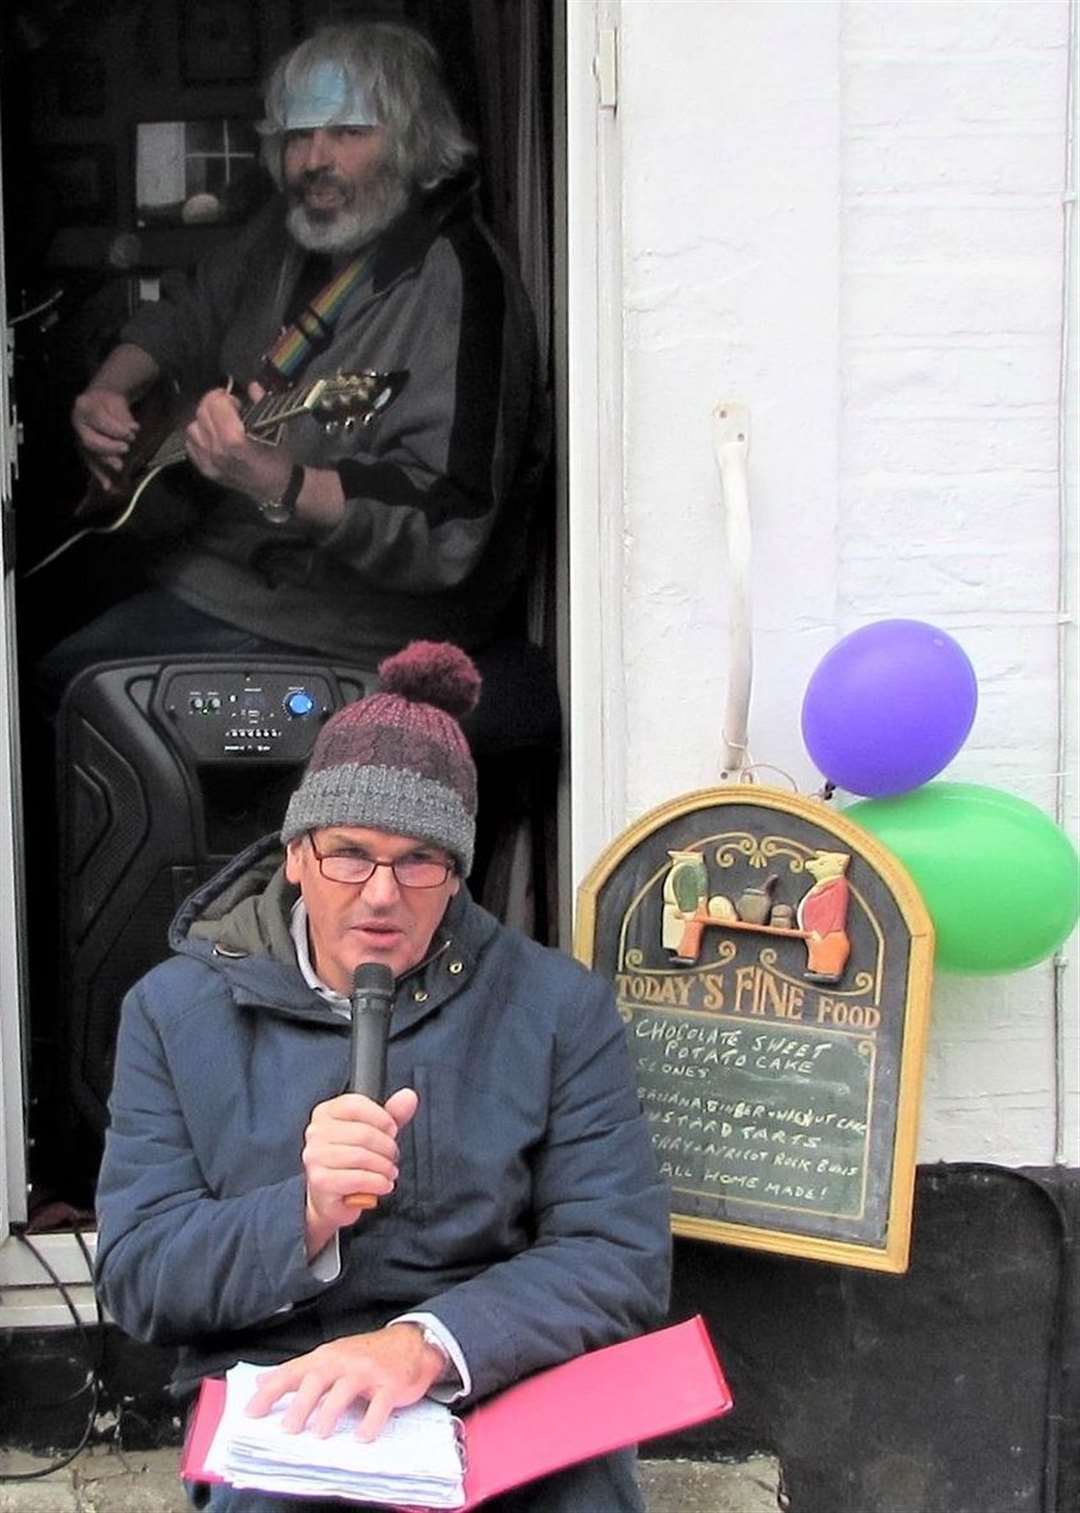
[449,1371]
[281,511]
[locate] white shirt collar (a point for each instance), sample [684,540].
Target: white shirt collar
[299,932]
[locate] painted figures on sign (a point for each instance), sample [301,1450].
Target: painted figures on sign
[822,917]
[819,917]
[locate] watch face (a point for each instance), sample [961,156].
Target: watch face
[280,511]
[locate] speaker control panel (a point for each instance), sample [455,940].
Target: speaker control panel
[232,713]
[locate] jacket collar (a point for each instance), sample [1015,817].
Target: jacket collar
[449,966]
[404,245]
[240,918]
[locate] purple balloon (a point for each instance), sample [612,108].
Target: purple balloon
[888,707]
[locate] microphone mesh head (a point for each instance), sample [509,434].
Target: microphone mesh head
[373,977]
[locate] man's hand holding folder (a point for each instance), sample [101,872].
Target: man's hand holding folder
[655,1384]
[389,1368]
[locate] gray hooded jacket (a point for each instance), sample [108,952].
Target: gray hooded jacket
[439,488]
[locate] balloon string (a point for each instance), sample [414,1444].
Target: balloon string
[746,771]
[768,767]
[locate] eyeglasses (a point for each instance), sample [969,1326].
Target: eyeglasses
[410,871]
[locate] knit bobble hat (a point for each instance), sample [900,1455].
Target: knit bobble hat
[398,760]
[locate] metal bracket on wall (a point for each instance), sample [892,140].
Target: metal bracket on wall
[731,446]
[606,68]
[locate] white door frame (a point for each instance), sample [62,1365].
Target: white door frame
[12,977]
[591,456]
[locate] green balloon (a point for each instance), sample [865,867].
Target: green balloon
[999,879]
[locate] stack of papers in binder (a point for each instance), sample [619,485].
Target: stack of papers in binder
[415,1461]
[619,1395]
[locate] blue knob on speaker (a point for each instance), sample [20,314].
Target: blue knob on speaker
[299,703]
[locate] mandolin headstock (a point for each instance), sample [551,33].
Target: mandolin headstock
[353,399]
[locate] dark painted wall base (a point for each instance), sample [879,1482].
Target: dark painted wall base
[952,1389]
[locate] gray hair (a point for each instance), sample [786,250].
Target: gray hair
[399,71]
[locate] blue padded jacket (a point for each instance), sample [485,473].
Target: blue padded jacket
[528,1215]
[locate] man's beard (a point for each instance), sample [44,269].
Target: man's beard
[369,210]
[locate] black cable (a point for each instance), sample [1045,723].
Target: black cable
[122,1413]
[98,1314]
[93,1377]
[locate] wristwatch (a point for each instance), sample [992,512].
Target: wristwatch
[280,511]
[449,1370]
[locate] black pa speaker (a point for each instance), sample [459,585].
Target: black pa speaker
[166,770]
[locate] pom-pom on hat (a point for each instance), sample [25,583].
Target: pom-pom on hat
[398,760]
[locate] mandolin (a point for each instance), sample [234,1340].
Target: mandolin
[343,402]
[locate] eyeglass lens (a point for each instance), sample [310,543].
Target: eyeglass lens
[353,867]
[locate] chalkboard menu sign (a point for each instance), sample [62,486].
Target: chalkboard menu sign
[772,964]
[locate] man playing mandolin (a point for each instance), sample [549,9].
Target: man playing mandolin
[348,540]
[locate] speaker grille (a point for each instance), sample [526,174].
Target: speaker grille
[149,809]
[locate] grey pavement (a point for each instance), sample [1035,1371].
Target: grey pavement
[106,1480]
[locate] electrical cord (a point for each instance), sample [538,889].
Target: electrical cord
[93,1382]
[99,1317]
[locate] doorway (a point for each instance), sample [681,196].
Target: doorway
[84,89]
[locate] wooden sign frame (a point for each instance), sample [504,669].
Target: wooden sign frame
[773,964]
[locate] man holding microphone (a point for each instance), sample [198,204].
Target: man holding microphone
[498,1213]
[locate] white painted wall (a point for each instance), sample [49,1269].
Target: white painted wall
[849,217]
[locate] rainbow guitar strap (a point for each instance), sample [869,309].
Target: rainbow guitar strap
[312,328]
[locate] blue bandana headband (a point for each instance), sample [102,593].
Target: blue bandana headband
[325,97]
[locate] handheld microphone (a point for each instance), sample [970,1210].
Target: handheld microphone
[371,1002]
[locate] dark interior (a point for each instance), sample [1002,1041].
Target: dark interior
[83,82]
